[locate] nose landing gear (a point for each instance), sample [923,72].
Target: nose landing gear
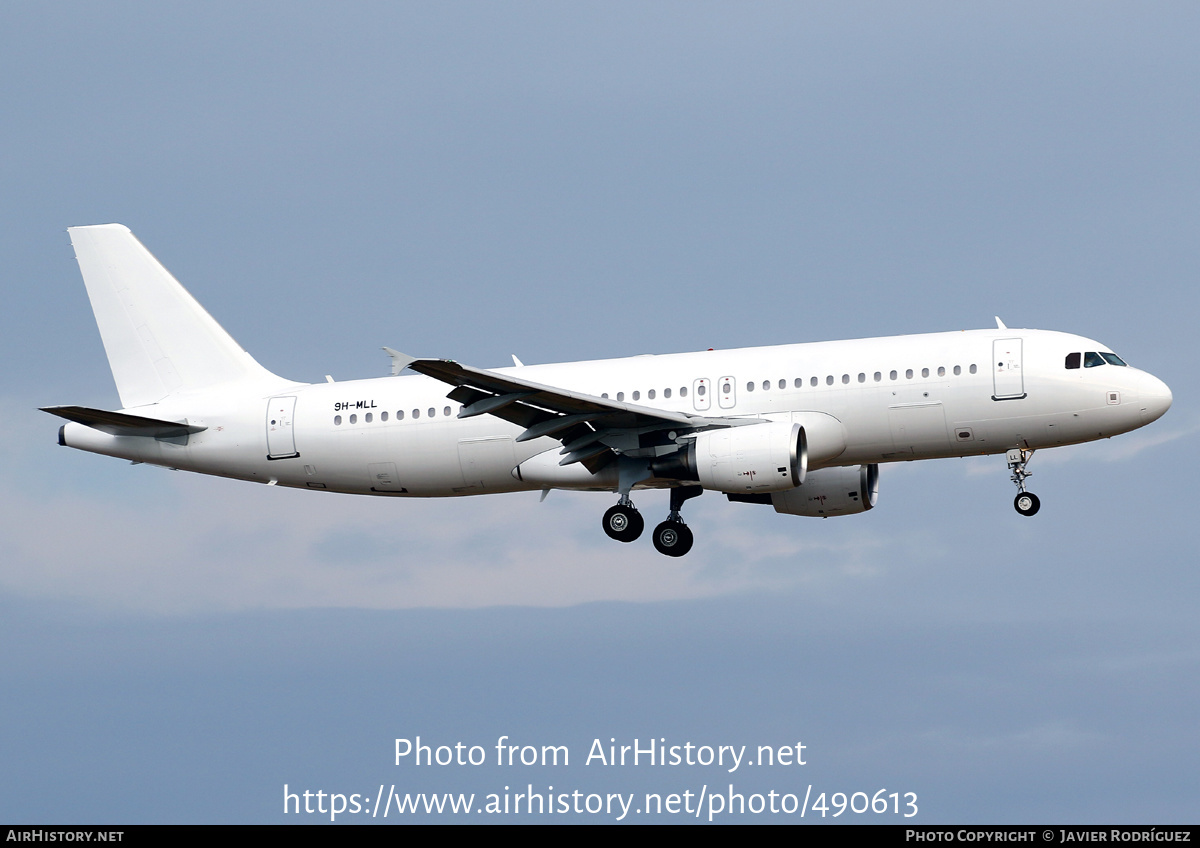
[1026,503]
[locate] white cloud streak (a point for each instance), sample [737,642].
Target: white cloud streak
[215,544]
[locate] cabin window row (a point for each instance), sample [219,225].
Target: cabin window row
[877,377]
[652,394]
[798,383]
[383,416]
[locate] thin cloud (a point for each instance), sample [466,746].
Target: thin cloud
[1050,738]
[212,544]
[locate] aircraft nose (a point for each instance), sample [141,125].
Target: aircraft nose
[1156,398]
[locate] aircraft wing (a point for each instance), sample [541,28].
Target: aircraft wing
[591,428]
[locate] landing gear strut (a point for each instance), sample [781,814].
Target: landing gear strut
[1026,503]
[623,522]
[673,537]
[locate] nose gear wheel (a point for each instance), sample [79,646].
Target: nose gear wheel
[1027,503]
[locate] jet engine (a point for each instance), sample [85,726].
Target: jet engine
[762,458]
[831,491]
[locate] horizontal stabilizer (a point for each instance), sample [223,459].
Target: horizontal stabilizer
[121,424]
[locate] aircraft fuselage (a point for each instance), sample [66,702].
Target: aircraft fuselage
[898,398]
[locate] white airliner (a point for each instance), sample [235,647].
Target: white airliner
[800,427]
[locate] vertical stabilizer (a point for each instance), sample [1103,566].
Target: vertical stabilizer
[159,340]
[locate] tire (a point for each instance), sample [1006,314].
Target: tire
[672,538]
[1027,503]
[623,523]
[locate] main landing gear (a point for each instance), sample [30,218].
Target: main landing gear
[1026,503]
[623,522]
[672,537]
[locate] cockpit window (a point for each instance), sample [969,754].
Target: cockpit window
[1073,360]
[1112,359]
[1091,359]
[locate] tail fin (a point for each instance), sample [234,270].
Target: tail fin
[159,340]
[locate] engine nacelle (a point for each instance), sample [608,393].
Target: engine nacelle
[832,491]
[758,458]
[824,435]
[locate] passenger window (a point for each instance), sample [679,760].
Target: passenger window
[829,380]
[399,414]
[337,420]
[893,375]
[862,378]
[766,385]
[941,371]
[370,417]
[446,412]
[683,391]
[637,395]
[432,412]
[783,384]
[383,416]
[1073,360]
[973,368]
[726,386]
[416,413]
[650,394]
[813,382]
[924,372]
[799,382]
[620,396]
[957,370]
[908,374]
[878,376]
[749,387]
[353,419]
[1091,359]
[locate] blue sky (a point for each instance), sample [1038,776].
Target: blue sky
[569,182]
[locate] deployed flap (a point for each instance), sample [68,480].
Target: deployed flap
[122,424]
[157,337]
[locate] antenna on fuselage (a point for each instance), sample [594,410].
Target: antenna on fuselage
[999,323]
